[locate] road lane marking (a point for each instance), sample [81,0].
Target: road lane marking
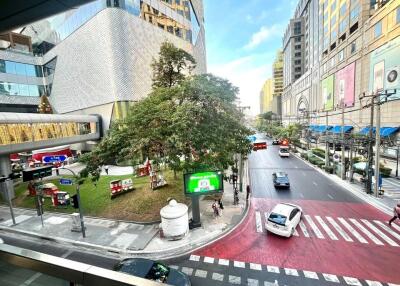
[352,230]
[217,276]
[373,283]
[295,233]
[209,260]
[395,226]
[200,273]
[339,229]
[388,229]
[252,282]
[314,227]
[310,274]
[266,283]
[291,272]
[326,228]
[366,232]
[258,222]
[272,269]
[194,257]
[330,196]
[304,229]
[255,266]
[331,278]
[352,281]
[224,262]
[234,279]
[380,233]
[239,264]
[187,270]
[301,195]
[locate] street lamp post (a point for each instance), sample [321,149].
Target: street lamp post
[78,195]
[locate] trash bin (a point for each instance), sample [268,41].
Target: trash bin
[174,220]
[76,222]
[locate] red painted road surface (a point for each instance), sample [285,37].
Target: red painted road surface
[340,257]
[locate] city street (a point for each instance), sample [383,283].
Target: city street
[340,240]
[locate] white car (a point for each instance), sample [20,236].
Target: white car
[283,219]
[284,152]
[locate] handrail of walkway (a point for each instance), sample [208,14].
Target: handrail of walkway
[76,273]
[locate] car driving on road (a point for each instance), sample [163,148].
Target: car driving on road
[283,219]
[152,270]
[284,151]
[275,142]
[280,179]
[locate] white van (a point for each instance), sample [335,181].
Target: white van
[284,151]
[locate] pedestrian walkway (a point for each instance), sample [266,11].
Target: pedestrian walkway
[127,237]
[232,272]
[392,188]
[341,229]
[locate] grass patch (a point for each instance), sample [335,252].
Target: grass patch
[141,204]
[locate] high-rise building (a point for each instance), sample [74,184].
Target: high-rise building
[96,59]
[266,96]
[277,72]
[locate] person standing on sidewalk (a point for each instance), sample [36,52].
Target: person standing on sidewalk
[106,169]
[247,192]
[396,211]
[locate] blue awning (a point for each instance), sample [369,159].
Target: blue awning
[384,131]
[322,128]
[338,129]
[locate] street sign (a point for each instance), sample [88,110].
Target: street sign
[252,138]
[66,182]
[336,157]
[54,158]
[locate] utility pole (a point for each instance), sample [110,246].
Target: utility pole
[377,146]
[370,149]
[326,144]
[343,169]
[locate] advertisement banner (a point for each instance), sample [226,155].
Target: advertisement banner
[203,183]
[385,69]
[345,85]
[327,92]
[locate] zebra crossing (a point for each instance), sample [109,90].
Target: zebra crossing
[338,229]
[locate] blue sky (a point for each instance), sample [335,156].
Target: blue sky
[242,38]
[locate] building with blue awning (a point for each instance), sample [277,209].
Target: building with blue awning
[384,131]
[338,129]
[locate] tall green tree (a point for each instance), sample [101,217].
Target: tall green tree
[172,66]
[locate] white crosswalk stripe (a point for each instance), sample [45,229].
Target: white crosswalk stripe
[326,228]
[310,274]
[395,226]
[373,283]
[258,222]
[352,230]
[366,232]
[331,278]
[352,281]
[388,229]
[304,229]
[339,229]
[380,233]
[295,233]
[314,227]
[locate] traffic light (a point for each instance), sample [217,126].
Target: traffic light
[75,202]
[36,173]
[284,142]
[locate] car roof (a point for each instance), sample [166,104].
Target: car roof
[284,209]
[135,266]
[281,174]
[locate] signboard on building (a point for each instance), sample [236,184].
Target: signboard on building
[327,92]
[203,183]
[385,68]
[345,84]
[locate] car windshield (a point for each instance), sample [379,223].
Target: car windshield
[277,218]
[158,272]
[284,150]
[282,179]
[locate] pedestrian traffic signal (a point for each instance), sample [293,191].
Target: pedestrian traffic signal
[36,173]
[75,202]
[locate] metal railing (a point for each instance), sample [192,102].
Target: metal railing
[76,273]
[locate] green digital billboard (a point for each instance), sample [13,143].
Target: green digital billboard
[203,183]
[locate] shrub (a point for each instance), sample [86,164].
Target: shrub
[304,155]
[329,169]
[318,152]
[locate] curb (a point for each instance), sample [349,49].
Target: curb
[165,254]
[349,187]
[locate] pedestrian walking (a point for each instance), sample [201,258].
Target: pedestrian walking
[216,208]
[106,169]
[247,192]
[396,212]
[221,206]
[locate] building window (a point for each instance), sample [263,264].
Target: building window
[297,69]
[341,55]
[297,28]
[297,39]
[297,47]
[333,35]
[378,29]
[342,10]
[333,6]
[398,15]
[333,21]
[297,62]
[353,48]
[297,54]
[354,13]
[342,26]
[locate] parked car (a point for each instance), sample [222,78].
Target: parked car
[284,151]
[152,270]
[283,219]
[280,179]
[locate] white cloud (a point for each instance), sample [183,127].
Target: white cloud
[262,35]
[248,73]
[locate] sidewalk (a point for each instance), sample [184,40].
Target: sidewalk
[127,238]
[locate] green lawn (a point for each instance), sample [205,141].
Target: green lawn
[142,204]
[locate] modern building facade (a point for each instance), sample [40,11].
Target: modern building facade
[277,73]
[355,45]
[96,59]
[266,96]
